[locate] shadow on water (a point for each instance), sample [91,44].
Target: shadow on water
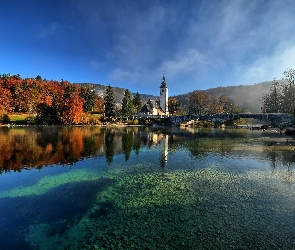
[60,207]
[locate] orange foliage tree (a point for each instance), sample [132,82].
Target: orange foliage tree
[72,108]
[54,102]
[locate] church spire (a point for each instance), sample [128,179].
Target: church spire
[163,83]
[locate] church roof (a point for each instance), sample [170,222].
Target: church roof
[149,106]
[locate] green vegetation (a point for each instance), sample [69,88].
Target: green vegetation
[49,182]
[137,103]
[178,209]
[18,118]
[281,97]
[127,105]
[109,103]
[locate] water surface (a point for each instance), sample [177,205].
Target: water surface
[145,188]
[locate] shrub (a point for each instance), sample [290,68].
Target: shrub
[5,119]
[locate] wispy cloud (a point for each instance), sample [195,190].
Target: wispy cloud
[267,67]
[187,61]
[213,43]
[120,74]
[48,30]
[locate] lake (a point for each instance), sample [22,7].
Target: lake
[146,188]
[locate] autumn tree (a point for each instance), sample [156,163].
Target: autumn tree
[50,108]
[72,109]
[32,95]
[127,104]
[198,102]
[15,85]
[99,105]
[172,105]
[5,99]
[109,103]
[229,105]
[215,105]
[181,110]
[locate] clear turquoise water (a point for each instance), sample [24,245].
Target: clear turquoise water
[148,189]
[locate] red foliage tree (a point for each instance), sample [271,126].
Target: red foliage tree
[72,108]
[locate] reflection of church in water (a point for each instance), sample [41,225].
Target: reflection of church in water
[161,140]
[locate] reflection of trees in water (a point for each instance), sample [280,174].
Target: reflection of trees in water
[136,143]
[37,147]
[109,146]
[281,161]
[71,144]
[41,146]
[127,144]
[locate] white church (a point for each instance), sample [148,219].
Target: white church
[153,107]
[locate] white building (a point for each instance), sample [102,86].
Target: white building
[159,107]
[164,97]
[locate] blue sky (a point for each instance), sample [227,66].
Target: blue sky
[130,43]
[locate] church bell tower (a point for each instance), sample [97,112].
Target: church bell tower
[164,97]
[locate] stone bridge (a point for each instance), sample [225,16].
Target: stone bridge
[274,119]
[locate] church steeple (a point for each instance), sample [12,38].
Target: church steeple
[164,96]
[163,84]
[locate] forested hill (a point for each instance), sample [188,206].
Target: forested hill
[100,90]
[247,96]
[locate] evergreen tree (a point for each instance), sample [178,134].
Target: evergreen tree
[281,97]
[109,103]
[273,102]
[90,99]
[137,103]
[289,91]
[127,104]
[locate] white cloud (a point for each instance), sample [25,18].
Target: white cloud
[185,62]
[120,74]
[96,65]
[268,67]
